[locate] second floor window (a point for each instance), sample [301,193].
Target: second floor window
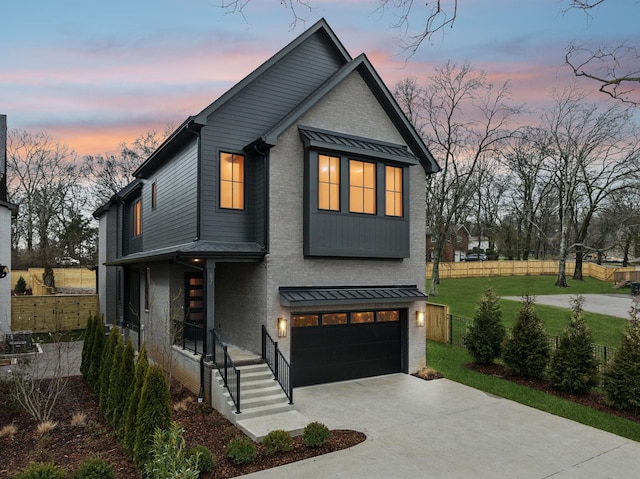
[328,183]
[393,191]
[362,187]
[136,218]
[231,181]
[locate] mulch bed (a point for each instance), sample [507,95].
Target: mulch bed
[593,399]
[68,445]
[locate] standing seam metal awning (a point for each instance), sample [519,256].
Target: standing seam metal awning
[327,296]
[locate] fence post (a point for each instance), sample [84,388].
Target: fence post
[450,319]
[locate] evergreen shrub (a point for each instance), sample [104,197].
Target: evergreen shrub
[42,470]
[241,450]
[315,434]
[277,441]
[94,468]
[622,378]
[486,334]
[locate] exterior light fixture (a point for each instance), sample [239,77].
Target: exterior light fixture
[282,327]
[420,319]
[4,270]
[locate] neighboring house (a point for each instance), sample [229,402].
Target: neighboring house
[294,205]
[482,243]
[7,210]
[456,247]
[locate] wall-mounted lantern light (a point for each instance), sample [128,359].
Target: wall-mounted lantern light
[420,319]
[4,270]
[282,327]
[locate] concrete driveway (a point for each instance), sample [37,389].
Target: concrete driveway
[442,429]
[610,304]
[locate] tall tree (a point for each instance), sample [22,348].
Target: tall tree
[467,121]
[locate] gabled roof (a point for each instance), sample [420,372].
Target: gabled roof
[383,95]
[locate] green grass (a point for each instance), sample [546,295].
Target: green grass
[450,360]
[462,296]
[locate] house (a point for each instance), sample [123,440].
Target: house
[290,209]
[7,211]
[456,247]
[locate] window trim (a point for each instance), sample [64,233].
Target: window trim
[350,314]
[232,182]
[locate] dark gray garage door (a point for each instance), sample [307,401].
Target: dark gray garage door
[340,346]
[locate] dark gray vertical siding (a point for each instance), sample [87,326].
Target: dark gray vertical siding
[174,220]
[246,117]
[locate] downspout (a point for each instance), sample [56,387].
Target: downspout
[202,356]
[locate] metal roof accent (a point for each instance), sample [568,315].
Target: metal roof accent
[325,296]
[355,144]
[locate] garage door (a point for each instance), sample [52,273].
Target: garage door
[329,347]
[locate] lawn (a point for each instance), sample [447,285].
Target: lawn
[462,296]
[450,362]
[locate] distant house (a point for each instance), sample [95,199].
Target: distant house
[7,210]
[290,208]
[455,249]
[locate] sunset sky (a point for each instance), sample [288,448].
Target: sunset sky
[95,73]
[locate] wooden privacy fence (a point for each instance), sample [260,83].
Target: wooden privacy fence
[437,324]
[77,278]
[475,269]
[52,313]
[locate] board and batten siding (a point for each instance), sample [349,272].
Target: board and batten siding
[174,220]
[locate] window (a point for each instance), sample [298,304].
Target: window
[393,191]
[136,218]
[231,181]
[328,183]
[362,187]
[154,195]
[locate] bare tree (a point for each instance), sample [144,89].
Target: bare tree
[467,120]
[46,180]
[594,154]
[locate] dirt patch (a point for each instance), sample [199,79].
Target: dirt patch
[68,445]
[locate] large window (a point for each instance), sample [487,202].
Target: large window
[328,183]
[362,187]
[231,181]
[136,218]
[393,191]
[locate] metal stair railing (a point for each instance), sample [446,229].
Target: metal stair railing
[280,367]
[230,374]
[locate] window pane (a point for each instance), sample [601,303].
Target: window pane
[362,187]
[334,318]
[393,194]
[328,182]
[369,201]
[299,321]
[362,317]
[136,218]
[369,175]
[231,181]
[384,316]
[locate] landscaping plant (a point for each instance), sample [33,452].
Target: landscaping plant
[95,357]
[85,361]
[241,450]
[42,470]
[315,434]
[168,458]
[277,441]
[106,365]
[154,412]
[527,352]
[94,468]
[206,459]
[622,378]
[142,364]
[573,366]
[486,334]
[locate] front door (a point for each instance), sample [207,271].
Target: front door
[194,306]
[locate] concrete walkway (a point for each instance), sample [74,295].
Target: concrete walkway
[442,429]
[610,304]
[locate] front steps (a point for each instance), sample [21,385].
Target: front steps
[263,404]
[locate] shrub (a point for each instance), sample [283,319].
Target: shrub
[48,278]
[97,348]
[622,378]
[154,412]
[241,450]
[113,391]
[315,434]
[106,365]
[527,352]
[129,438]
[486,333]
[573,366]
[41,470]
[94,468]
[277,441]
[86,346]
[21,286]
[168,458]
[205,458]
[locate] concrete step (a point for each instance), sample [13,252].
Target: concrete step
[258,427]
[251,412]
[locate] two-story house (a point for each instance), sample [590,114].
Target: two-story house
[293,206]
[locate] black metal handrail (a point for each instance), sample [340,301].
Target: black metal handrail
[230,374]
[280,367]
[190,336]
